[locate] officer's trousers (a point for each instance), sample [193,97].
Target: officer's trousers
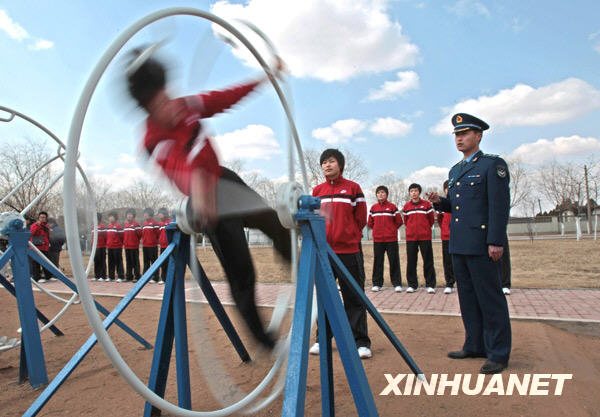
[354,306]
[379,251]
[100,263]
[132,264]
[412,250]
[447,260]
[483,306]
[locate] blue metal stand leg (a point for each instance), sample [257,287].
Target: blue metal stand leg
[221,314]
[325,359]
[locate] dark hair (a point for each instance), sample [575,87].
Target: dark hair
[415,185]
[99,216]
[445,185]
[164,211]
[42,212]
[333,153]
[382,188]
[147,80]
[113,214]
[130,211]
[149,210]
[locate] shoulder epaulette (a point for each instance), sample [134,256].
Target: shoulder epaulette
[491,155]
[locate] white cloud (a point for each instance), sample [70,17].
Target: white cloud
[18,33]
[595,39]
[251,142]
[126,158]
[407,80]
[390,127]
[430,176]
[465,8]
[331,40]
[341,131]
[121,177]
[524,105]
[558,148]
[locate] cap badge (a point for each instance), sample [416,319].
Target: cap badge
[459,119]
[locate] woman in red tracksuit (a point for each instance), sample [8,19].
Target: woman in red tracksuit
[385,219]
[114,245]
[132,233]
[344,207]
[150,235]
[163,217]
[418,219]
[40,237]
[100,256]
[444,222]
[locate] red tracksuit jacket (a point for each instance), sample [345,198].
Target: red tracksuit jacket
[150,233]
[418,218]
[384,219]
[42,230]
[132,232]
[162,239]
[101,236]
[181,149]
[344,207]
[114,236]
[444,222]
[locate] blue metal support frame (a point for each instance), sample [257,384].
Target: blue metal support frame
[315,269]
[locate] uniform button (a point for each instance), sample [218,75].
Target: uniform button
[456,220]
[483,226]
[458,183]
[457,208]
[457,195]
[472,183]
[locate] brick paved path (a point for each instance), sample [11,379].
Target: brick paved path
[568,304]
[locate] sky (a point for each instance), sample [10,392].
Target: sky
[379,78]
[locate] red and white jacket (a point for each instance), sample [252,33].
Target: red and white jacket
[41,229]
[114,236]
[418,218]
[384,219]
[101,236]
[180,150]
[132,232]
[162,239]
[444,220]
[344,207]
[150,233]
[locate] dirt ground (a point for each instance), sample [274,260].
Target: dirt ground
[95,388]
[557,263]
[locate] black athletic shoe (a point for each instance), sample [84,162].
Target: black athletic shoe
[461,354]
[491,367]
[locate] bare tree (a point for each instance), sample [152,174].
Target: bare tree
[563,185]
[520,186]
[17,162]
[398,191]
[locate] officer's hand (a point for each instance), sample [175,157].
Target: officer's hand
[433,197]
[495,252]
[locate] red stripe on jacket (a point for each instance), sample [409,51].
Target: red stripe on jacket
[132,232]
[418,218]
[384,219]
[180,150]
[162,239]
[114,236]
[344,207]
[444,220]
[150,233]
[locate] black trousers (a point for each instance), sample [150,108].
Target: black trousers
[447,260]
[36,269]
[54,257]
[412,250]
[229,243]
[483,307]
[115,263]
[163,268]
[132,264]
[150,254]
[354,306]
[379,250]
[506,268]
[100,263]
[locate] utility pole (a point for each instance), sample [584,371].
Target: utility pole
[589,202]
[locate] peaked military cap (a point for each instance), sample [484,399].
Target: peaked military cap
[464,121]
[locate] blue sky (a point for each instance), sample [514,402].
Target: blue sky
[380,78]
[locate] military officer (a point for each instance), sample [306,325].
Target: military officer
[479,200]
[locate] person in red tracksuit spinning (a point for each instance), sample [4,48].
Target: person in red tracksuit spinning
[344,207]
[444,220]
[164,220]
[150,235]
[385,219]
[40,237]
[418,218]
[132,233]
[114,245]
[100,256]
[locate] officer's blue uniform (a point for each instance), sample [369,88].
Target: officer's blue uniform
[479,200]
